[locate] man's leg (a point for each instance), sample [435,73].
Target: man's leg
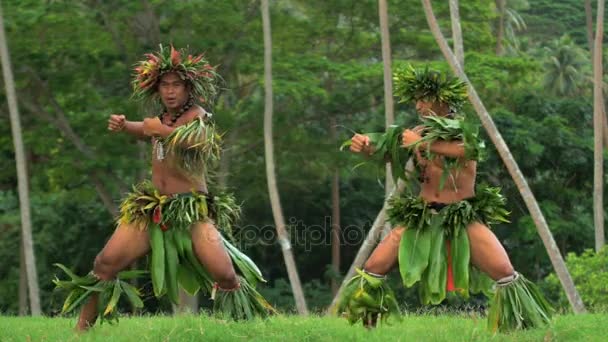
[384,257]
[487,253]
[210,251]
[524,303]
[382,260]
[127,244]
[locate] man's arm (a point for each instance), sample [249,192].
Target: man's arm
[153,127]
[119,123]
[135,128]
[454,149]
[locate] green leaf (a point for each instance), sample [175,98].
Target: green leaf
[131,274]
[132,294]
[437,269]
[460,262]
[157,266]
[77,301]
[114,299]
[171,265]
[187,278]
[414,251]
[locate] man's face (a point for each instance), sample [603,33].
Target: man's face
[173,91]
[426,108]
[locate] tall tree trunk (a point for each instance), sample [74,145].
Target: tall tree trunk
[147,28]
[501,6]
[457,32]
[388,88]
[590,39]
[275,201]
[598,118]
[22,176]
[507,157]
[604,125]
[589,22]
[335,215]
[22,283]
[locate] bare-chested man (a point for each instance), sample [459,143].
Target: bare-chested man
[426,239]
[174,215]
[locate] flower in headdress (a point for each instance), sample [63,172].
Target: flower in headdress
[175,57]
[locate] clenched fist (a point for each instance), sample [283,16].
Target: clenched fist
[411,136]
[116,123]
[361,143]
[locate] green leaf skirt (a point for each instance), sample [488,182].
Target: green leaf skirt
[434,249]
[173,263]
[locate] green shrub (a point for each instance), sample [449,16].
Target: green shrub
[590,274]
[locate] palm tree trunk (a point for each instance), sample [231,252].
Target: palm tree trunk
[275,201]
[457,32]
[22,283]
[598,118]
[501,6]
[507,157]
[590,39]
[335,230]
[22,176]
[604,125]
[388,88]
[589,22]
[335,215]
[387,63]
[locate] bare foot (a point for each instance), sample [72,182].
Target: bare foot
[83,326]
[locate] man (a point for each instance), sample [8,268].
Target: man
[443,230]
[173,215]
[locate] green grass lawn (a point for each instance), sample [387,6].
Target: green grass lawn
[293,328]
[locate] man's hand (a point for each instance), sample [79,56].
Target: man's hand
[361,143]
[116,123]
[411,136]
[152,126]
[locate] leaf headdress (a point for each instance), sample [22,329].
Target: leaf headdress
[429,85]
[195,70]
